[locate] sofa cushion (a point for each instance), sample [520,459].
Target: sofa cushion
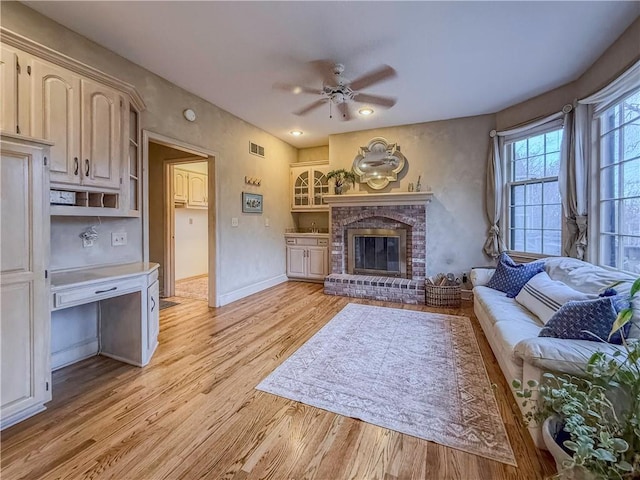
[587,320]
[585,277]
[510,277]
[481,276]
[500,307]
[559,355]
[544,297]
[511,332]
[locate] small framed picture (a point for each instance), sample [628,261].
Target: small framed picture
[251,203]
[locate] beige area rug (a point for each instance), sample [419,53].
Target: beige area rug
[414,372]
[194,287]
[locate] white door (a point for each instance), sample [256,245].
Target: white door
[296,260]
[317,261]
[24,298]
[56,117]
[101,145]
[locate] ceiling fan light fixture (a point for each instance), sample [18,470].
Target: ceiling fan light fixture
[366,111]
[296,133]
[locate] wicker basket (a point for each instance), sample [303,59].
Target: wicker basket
[437,296]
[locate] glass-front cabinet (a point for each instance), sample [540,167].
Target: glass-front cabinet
[309,185]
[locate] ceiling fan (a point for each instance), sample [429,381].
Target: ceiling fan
[338,90]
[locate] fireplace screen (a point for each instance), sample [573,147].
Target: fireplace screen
[377,252]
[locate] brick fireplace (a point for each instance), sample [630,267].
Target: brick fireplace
[379,211]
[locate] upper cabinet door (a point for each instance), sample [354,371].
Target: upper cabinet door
[101,146]
[180,185]
[8,90]
[15,114]
[56,112]
[197,190]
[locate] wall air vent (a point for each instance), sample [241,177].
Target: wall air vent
[256,149]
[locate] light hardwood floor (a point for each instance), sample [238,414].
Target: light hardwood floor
[194,412]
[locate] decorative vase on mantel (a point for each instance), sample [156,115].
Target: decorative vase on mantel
[337,189]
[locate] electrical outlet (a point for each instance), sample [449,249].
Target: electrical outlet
[234,222]
[118,239]
[86,242]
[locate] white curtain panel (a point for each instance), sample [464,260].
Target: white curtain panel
[494,244]
[626,82]
[573,178]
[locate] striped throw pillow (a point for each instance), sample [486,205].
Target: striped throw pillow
[544,296]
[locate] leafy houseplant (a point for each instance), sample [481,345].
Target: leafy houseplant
[599,412]
[342,178]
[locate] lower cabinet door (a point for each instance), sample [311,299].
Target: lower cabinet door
[153,317]
[296,259]
[317,261]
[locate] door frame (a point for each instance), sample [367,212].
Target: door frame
[202,154]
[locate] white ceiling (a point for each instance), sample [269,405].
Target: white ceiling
[453,59]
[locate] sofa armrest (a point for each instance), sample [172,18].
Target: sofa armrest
[561,355]
[480,276]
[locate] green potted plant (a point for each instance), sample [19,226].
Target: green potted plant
[592,423]
[341,178]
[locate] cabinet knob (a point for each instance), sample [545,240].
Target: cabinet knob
[86,168]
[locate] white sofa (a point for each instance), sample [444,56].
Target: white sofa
[512,330]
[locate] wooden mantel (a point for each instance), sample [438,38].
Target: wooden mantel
[399,198]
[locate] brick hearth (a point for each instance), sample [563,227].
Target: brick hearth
[389,211]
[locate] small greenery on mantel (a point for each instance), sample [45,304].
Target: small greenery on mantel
[342,178]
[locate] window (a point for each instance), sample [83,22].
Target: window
[534,209]
[619,176]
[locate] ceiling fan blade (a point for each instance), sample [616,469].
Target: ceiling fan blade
[296,89]
[375,76]
[344,110]
[324,69]
[308,108]
[375,100]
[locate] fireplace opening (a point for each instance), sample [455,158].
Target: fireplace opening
[377,252]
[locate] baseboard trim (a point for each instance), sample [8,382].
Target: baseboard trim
[74,353]
[226,298]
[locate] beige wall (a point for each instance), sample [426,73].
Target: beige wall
[623,53]
[248,254]
[313,154]
[450,155]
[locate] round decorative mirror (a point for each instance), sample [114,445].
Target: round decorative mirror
[378,163]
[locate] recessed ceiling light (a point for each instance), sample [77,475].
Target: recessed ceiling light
[365,111]
[296,133]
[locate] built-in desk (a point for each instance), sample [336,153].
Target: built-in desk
[128,306]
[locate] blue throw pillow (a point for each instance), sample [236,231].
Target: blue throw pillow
[587,320]
[510,277]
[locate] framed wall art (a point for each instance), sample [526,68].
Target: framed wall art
[251,202]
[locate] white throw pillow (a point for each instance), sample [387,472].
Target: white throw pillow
[544,297]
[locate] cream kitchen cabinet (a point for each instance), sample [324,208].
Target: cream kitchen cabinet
[180,185]
[309,185]
[84,120]
[307,256]
[197,190]
[55,93]
[15,111]
[90,117]
[101,133]
[24,285]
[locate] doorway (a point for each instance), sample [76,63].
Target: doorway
[180,222]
